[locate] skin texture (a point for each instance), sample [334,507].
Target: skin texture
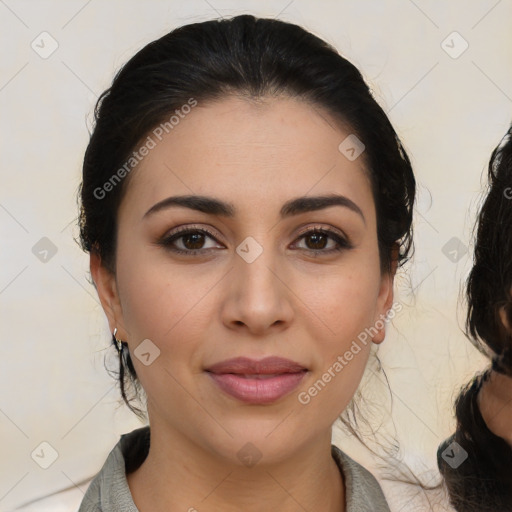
[495,400]
[199,310]
[495,403]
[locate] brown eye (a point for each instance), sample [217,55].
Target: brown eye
[192,241]
[317,239]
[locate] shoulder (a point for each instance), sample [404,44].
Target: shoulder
[61,501]
[109,491]
[363,491]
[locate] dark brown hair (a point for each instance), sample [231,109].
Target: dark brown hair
[489,285]
[483,482]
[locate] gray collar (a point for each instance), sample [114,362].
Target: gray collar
[109,490]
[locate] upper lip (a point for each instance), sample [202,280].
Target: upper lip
[247,366]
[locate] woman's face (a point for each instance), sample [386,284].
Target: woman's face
[255,285]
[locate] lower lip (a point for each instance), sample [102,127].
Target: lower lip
[257,391]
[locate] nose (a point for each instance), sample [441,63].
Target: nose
[258,298]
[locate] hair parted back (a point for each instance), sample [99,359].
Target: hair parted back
[253,58]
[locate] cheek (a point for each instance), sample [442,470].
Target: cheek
[345,299]
[336,379]
[345,304]
[171,305]
[165,308]
[156,295]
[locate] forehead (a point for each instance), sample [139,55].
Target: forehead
[273,148]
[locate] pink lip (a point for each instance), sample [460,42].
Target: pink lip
[257,382]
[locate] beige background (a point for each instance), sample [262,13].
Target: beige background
[450,113]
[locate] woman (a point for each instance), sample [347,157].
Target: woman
[476,461]
[246,203]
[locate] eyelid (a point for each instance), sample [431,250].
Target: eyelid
[305,230]
[319,227]
[190,227]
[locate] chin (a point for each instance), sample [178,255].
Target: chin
[257,441]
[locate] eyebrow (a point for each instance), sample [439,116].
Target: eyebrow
[292,207]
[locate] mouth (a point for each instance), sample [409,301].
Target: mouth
[257,382]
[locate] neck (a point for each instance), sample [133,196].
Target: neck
[180,475]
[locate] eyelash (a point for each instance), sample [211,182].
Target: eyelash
[167,241]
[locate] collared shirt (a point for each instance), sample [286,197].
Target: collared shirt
[109,490]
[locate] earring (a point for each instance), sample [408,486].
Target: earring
[119,343]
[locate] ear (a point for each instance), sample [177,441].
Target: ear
[504,319]
[106,287]
[385,297]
